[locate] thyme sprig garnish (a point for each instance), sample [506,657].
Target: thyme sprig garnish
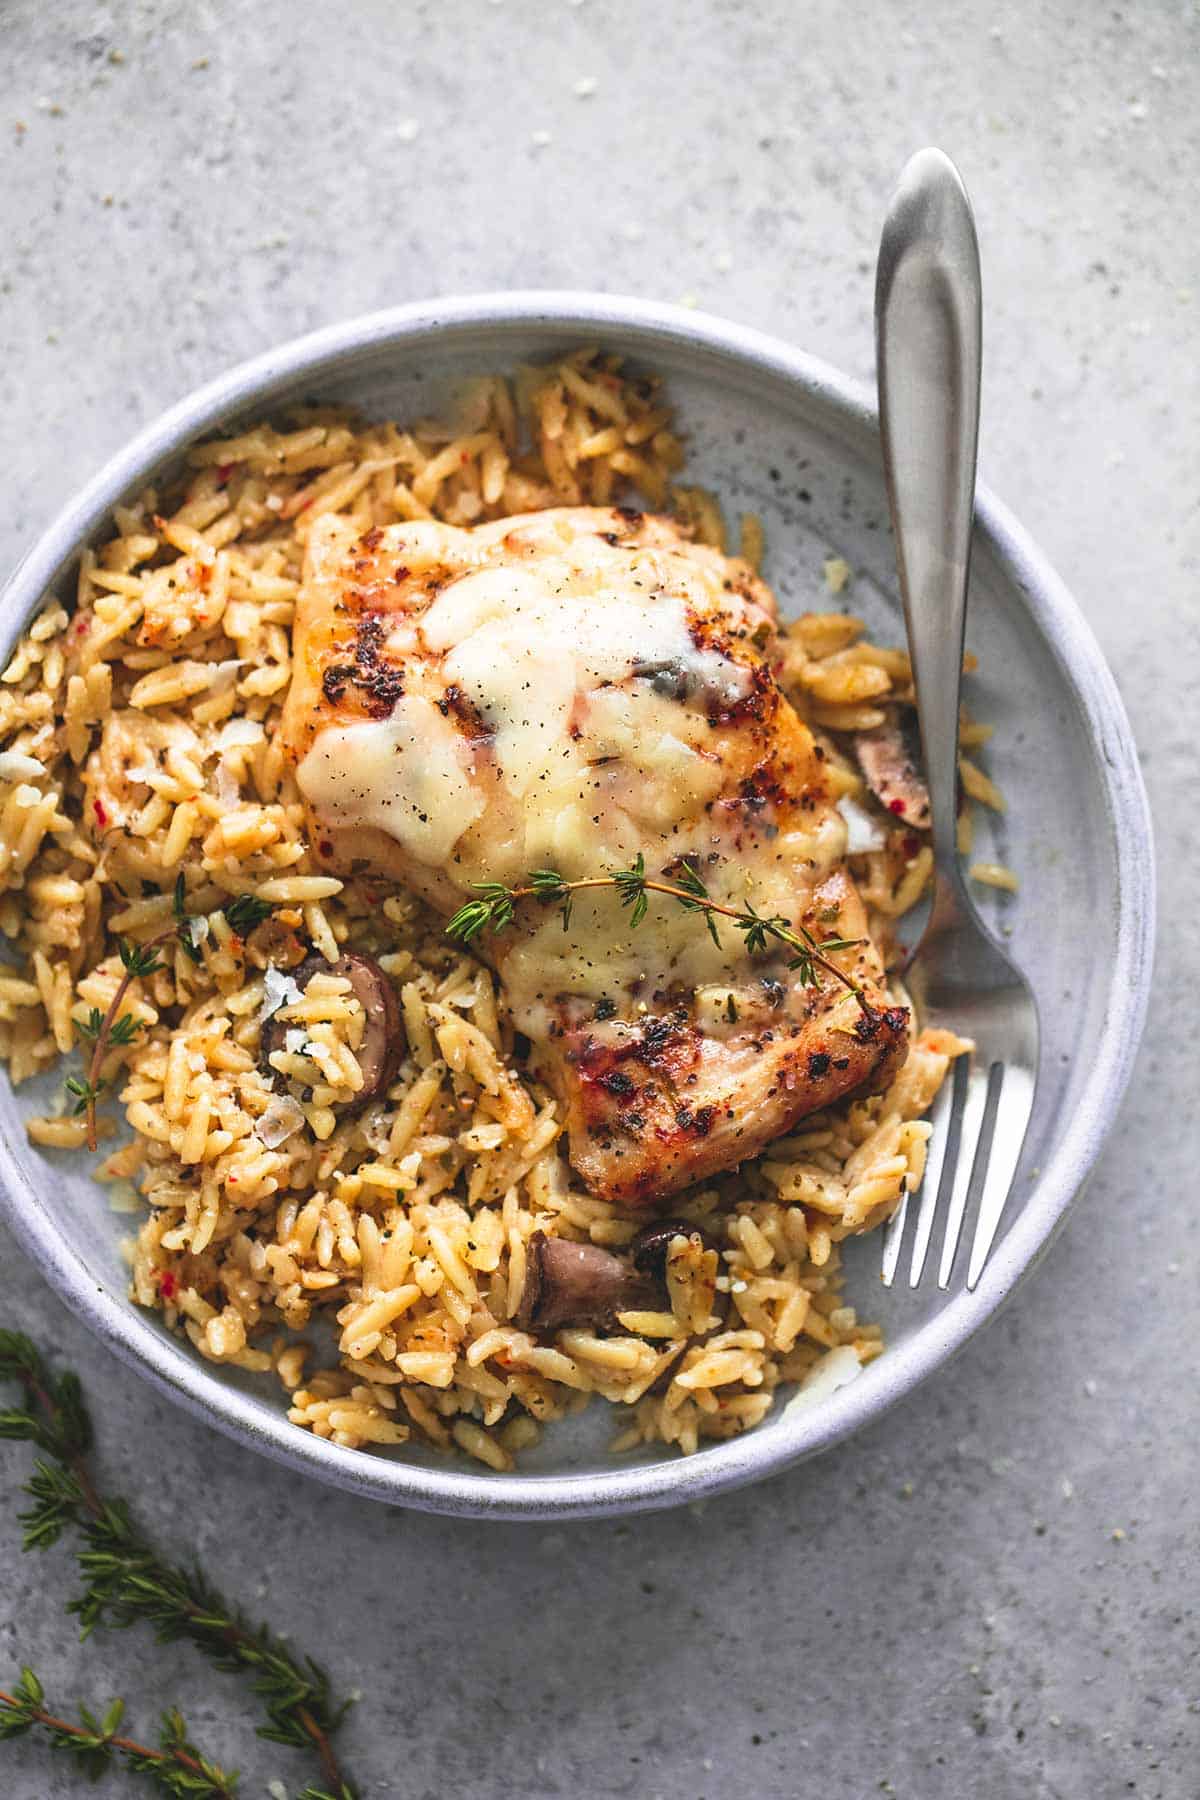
[126,1581]
[246,912]
[105,1031]
[176,1766]
[496,907]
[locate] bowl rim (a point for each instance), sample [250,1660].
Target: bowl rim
[202,1390]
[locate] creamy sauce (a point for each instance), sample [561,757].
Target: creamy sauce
[671,953]
[594,707]
[408,775]
[536,663]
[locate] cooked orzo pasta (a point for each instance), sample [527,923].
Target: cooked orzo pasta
[145,802]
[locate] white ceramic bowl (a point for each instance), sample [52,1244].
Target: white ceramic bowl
[774,432]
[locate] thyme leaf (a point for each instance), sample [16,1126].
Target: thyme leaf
[245,913]
[491,912]
[140,960]
[84,1093]
[186,925]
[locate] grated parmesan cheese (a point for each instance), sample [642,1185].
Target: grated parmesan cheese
[278,990]
[282,1119]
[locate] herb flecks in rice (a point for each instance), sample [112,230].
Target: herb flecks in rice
[144,799]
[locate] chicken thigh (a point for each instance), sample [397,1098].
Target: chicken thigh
[571,690]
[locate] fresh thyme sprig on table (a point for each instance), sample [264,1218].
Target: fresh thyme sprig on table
[497,904]
[176,1766]
[106,1030]
[127,1582]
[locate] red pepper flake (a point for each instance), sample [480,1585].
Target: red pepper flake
[168,1284]
[224,471]
[82,626]
[101,814]
[897,807]
[464,459]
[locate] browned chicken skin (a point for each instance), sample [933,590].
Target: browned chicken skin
[568,690]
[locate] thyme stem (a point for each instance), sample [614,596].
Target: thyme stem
[95,1742]
[134,966]
[330,1767]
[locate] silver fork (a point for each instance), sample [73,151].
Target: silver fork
[927,342]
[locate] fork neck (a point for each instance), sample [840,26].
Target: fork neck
[937,683]
[950,899]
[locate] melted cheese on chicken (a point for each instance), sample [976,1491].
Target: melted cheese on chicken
[570,690]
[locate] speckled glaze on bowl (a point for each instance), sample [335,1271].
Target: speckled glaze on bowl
[774,432]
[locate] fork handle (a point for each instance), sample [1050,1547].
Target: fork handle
[927,351]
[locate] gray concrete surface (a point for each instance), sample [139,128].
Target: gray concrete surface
[993,1592]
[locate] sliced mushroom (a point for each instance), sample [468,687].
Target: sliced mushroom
[383,1035]
[578,1284]
[890,759]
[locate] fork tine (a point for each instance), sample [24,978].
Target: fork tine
[937,1164]
[1013,1107]
[893,1243]
[893,1233]
[970,1126]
